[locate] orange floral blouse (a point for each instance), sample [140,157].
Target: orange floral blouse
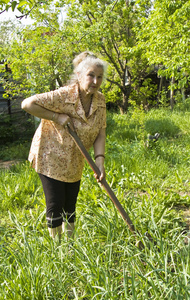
[53,151]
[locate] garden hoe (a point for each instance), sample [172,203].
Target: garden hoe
[106,187]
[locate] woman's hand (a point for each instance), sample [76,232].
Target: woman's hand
[100,165]
[63,120]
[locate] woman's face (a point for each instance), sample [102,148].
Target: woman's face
[90,80]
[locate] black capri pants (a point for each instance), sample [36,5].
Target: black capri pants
[61,198]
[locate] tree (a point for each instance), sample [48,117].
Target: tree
[131,35]
[106,27]
[38,56]
[7,35]
[165,39]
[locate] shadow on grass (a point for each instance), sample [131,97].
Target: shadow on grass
[165,127]
[130,130]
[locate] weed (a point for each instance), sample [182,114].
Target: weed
[102,262]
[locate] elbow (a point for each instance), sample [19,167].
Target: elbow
[24,105]
[27,105]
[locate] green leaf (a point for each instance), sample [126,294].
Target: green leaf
[7,7]
[22,3]
[13,5]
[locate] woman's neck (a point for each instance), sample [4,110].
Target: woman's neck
[85,97]
[86,101]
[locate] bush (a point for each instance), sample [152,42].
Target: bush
[15,127]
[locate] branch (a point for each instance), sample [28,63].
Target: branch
[23,15]
[2,11]
[112,60]
[6,9]
[114,5]
[26,14]
[115,82]
[92,16]
[89,19]
[118,53]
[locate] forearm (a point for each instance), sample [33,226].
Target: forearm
[99,144]
[36,110]
[99,153]
[99,148]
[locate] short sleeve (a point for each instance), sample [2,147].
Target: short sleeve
[53,100]
[102,108]
[104,123]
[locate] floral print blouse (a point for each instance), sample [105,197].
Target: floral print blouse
[53,151]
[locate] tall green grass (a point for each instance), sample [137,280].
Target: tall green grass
[103,261]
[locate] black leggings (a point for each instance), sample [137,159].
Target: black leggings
[61,198]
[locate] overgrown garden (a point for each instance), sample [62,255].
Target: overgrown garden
[152,183]
[150,177]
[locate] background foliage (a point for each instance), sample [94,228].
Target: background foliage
[132,36]
[150,179]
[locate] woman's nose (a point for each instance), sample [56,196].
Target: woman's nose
[95,79]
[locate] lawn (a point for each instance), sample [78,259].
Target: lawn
[152,182]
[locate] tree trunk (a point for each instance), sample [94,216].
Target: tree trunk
[9,106]
[52,83]
[126,89]
[172,93]
[160,89]
[183,94]
[124,106]
[59,80]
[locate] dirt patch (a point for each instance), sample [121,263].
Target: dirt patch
[8,164]
[186,215]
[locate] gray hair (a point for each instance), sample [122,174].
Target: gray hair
[84,61]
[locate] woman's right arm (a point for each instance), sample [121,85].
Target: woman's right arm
[30,106]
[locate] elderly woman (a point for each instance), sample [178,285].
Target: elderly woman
[54,154]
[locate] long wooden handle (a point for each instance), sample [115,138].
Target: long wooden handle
[103,181]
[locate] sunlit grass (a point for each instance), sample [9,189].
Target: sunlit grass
[103,261]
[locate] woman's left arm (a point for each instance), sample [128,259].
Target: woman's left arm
[99,152]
